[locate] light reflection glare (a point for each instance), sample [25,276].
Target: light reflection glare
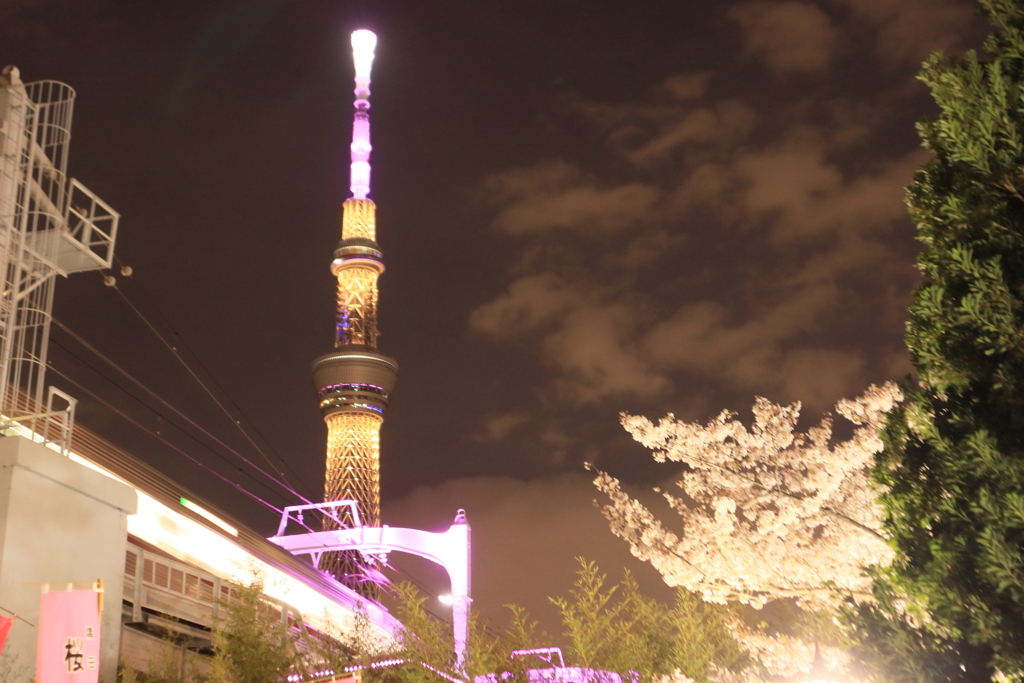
[203,512]
[363,44]
[189,541]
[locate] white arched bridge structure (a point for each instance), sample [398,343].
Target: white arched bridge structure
[450,549]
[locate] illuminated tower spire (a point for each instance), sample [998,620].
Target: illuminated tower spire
[354,382]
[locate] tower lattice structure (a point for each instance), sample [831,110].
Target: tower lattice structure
[354,382]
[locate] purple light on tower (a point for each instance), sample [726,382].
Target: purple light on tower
[354,382]
[363,44]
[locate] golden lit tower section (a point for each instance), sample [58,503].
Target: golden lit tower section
[354,382]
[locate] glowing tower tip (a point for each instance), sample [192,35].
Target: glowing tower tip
[363,44]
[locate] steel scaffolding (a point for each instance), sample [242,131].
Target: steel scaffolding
[49,225]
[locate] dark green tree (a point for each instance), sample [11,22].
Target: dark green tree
[953,466]
[888,644]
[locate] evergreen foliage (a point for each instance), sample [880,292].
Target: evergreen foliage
[888,645]
[953,466]
[611,628]
[252,643]
[620,629]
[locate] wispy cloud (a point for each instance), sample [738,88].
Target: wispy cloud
[907,31]
[787,36]
[557,195]
[718,253]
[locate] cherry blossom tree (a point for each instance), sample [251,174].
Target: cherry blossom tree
[765,513]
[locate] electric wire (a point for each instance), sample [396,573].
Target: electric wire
[173,349]
[196,377]
[167,443]
[415,582]
[181,340]
[283,484]
[160,415]
[389,564]
[411,579]
[155,435]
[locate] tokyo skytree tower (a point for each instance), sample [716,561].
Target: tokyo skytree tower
[354,383]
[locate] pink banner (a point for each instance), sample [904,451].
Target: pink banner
[5,630]
[68,649]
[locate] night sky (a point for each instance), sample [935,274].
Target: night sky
[584,208]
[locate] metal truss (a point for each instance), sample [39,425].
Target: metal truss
[449,549]
[357,306]
[353,463]
[359,220]
[49,226]
[353,473]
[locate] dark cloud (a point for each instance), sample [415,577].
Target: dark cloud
[787,36]
[498,426]
[808,230]
[558,196]
[909,30]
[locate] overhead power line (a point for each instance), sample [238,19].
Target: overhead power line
[134,380]
[167,443]
[120,413]
[161,416]
[173,348]
[237,486]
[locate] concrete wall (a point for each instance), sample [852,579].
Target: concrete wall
[147,653]
[60,522]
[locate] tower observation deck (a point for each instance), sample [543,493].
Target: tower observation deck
[354,382]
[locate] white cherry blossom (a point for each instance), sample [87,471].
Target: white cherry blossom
[766,512]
